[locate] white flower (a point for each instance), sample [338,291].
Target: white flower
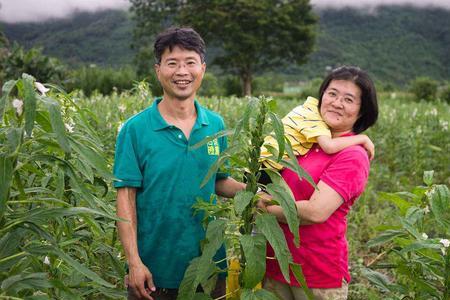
[445,242]
[122,108]
[426,209]
[18,105]
[69,127]
[119,127]
[119,255]
[47,260]
[41,88]
[424,236]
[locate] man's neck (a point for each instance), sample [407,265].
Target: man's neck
[175,109]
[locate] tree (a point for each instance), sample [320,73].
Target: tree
[252,35]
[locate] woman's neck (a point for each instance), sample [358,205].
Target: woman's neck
[338,133]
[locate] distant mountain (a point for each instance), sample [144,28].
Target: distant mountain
[394,43]
[101,38]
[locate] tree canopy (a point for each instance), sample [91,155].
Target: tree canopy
[252,35]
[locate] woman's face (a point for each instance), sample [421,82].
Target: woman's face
[340,106]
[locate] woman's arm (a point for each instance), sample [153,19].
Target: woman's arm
[322,204]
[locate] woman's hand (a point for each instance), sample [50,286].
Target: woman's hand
[264,200]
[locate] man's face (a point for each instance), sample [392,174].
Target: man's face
[180,73]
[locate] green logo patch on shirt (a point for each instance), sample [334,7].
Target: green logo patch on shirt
[213,147]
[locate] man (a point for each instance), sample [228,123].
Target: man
[159,174]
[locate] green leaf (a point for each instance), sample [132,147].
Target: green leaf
[254,247]
[378,279]
[284,196]
[6,175]
[207,139]
[268,225]
[201,296]
[14,138]
[396,199]
[439,198]
[224,156]
[91,157]
[385,237]
[6,90]
[298,273]
[46,249]
[33,281]
[41,215]
[419,245]
[428,177]
[261,294]
[293,164]
[29,102]
[214,237]
[278,128]
[414,214]
[242,200]
[243,123]
[194,275]
[54,110]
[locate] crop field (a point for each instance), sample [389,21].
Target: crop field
[57,207]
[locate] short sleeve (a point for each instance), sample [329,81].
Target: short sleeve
[126,165]
[306,120]
[348,172]
[223,144]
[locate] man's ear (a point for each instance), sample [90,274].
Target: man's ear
[156,67]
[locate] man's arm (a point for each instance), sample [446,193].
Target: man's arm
[138,272]
[322,204]
[228,187]
[333,145]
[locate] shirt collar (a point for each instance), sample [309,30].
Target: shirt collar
[158,122]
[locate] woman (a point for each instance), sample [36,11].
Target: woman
[348,105]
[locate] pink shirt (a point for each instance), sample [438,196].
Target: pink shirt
[323,252]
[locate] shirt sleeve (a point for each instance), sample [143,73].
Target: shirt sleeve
[306,120]
[126,163]
[348,173]
[223,144]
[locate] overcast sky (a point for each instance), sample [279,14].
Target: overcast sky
[38,10]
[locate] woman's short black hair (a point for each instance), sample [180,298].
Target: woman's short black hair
[368,113]
[183,37]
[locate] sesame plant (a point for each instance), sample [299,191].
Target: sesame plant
[57,236]
[238,223]
[416,251]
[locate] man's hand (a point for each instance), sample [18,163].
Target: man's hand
[140,280]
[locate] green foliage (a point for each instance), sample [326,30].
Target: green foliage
[102,37]
[424,88]
[57,227]
[17,60]
[243,227]
[211,86]
[417,251]
[445,94]
[395,44]
[275,32]
[102,80]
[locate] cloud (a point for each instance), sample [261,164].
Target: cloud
[13,11]
[370,4]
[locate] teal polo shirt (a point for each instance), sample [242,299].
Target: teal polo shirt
[156,158]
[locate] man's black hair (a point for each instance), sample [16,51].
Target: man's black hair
[184,37]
